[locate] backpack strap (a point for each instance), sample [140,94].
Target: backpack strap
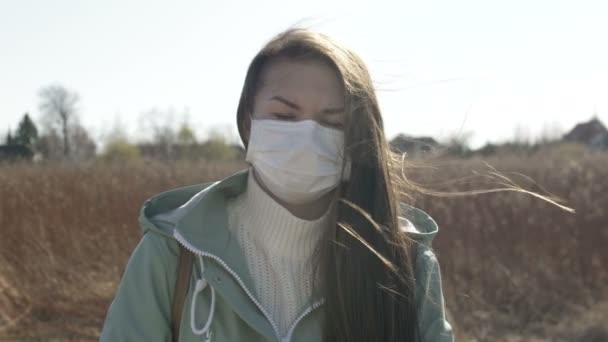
[182,283]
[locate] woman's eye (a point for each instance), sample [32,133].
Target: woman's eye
[284,116]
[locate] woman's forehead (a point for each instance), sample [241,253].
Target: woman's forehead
[302,80]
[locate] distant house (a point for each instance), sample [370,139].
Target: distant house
[413,146]
[593,134]
[15,152]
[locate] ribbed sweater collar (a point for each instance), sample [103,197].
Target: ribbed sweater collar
[274,228]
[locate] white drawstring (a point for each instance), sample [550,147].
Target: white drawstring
[200,286]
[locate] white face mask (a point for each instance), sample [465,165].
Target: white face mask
[297,161]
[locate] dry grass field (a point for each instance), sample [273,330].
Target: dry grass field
[514,268]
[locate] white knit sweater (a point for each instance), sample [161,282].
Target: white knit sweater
[278,247]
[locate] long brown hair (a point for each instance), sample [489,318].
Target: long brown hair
[365,265]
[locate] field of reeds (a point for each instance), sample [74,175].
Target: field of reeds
[515,268]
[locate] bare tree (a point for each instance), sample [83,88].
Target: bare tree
[160,130]
[186,135]
[458,144]
[59,108]
[49,146]
[550,132]
[84,147]
[521,136]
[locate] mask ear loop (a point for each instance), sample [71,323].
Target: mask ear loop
[200,286]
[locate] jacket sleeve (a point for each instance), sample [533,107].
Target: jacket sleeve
[432,322]
[141,309]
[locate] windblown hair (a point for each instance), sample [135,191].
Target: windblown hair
[365,264]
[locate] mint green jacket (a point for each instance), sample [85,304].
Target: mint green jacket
[220,304]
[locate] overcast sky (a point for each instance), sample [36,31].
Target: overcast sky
[441,67]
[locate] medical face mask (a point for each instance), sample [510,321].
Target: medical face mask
[298,161]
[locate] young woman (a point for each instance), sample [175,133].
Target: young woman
[311,242]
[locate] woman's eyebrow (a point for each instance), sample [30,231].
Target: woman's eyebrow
[285,102]
[328,111]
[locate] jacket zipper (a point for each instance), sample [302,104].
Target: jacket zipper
[194,250]
[295,323]
[287,338]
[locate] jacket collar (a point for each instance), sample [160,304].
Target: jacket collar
[199,214]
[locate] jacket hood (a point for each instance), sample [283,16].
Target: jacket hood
[195,217]
[164,212]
